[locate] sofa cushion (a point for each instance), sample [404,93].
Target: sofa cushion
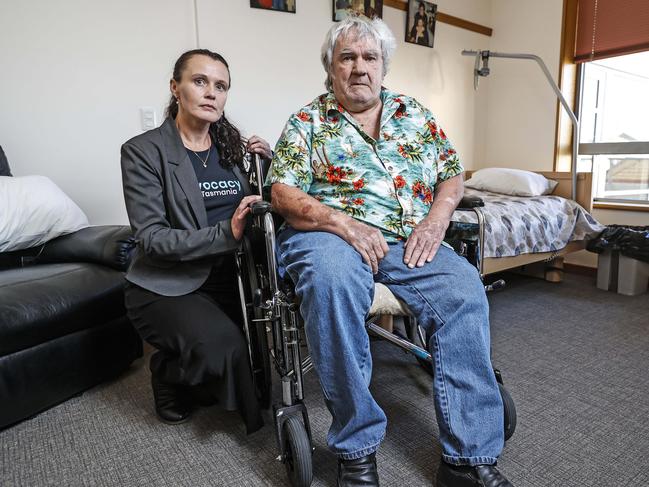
[42,302]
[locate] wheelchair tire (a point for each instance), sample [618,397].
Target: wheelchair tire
[509,409]
[260,348]
[297,453]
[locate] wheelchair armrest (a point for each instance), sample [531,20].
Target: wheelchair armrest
[260,207]
[468,202]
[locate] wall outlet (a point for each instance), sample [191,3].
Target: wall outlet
[148,118]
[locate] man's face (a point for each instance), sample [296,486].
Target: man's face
[357,72]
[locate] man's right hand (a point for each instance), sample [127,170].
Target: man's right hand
[368,241]
[305,213]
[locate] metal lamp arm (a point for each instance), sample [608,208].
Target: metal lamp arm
[484,55]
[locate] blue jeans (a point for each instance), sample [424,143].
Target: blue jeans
[336,289]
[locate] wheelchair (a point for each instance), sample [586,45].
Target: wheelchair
[274,330]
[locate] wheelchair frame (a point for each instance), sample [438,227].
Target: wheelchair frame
[273,330]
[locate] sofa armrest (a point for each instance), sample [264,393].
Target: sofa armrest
[109,245]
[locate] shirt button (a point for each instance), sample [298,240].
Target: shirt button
[390,168]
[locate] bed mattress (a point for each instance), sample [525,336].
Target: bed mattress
[517,225]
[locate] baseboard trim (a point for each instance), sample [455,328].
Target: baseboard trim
[580,269]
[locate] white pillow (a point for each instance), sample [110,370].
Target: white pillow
[515,182]
[34,210]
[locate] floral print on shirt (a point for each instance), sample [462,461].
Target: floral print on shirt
[388,183]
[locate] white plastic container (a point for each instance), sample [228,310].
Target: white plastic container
[616,272]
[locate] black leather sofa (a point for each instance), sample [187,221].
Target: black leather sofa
[63,327]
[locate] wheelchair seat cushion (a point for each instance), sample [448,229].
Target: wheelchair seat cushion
[386,303]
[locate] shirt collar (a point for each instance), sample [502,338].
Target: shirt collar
[392,102]
[330,105]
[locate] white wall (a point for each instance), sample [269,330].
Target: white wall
[520,112]
[76,72]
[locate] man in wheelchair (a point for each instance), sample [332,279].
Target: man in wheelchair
[367,182]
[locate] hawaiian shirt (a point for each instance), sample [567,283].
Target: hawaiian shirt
[388,183]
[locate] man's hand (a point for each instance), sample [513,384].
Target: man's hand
[238,221]
[368,241]
[424,241]
[305,213]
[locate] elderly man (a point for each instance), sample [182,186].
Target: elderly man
[367,182]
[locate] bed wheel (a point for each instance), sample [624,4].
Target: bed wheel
[509,409]
[297,452]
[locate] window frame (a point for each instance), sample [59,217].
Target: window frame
[608,148]
[570,83]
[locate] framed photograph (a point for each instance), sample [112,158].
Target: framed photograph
[280,5]
[420,22]
[369,8]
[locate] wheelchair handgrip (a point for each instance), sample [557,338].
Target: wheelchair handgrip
[260,207]
[470,202]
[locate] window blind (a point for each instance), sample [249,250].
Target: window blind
[607,28]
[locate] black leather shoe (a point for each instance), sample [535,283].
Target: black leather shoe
[465,476]
[170,404]
[360,472]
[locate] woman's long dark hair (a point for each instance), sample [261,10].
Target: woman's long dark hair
[226,136]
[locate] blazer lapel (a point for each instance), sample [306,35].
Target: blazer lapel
[184,172]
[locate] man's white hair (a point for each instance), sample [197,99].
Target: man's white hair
[362,27]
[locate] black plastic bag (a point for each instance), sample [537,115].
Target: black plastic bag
[628,240]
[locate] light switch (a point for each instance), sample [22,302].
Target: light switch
[147,117]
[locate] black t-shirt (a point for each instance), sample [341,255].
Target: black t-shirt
[220,188]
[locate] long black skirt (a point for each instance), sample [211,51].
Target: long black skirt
[199,340]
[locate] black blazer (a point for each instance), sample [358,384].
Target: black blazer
[167,214]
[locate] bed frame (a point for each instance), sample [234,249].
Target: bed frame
[546,265]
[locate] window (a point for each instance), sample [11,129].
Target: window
[614,139]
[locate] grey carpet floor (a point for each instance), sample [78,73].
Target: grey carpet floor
[575,359]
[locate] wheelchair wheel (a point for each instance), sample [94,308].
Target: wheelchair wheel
[297,453]
[260,348]
[509,409]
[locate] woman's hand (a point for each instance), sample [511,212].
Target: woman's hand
[238,221]
[257,145]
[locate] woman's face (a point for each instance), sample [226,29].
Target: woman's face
[202,90]
[421,10]
[420,24]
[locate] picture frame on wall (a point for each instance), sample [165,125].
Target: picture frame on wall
[369,8]
[420,22]
[279,5]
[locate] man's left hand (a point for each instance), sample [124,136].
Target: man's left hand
[424,241]
[257,145]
